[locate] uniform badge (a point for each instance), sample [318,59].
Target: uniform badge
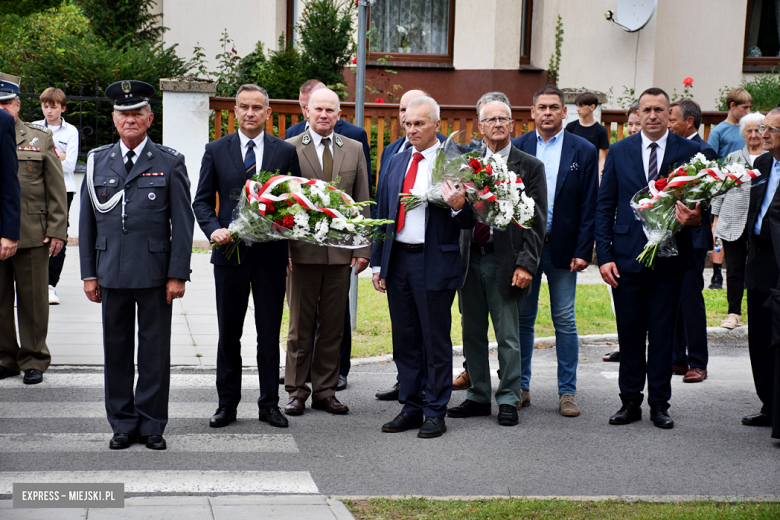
[126,88]
[152,196]
[306,139]
[339,141]
[111,181]
[148,154]
[33,141]
[112,155]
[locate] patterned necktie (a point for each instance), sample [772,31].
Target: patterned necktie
[652,165]
[327,160]
[129,163]
[250,161]
[411,176]
[481,233]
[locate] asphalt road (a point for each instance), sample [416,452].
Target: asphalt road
[707,453]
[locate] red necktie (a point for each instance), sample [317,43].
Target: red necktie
[481,233]
[411,176]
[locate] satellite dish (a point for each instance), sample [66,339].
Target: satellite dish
[632,15]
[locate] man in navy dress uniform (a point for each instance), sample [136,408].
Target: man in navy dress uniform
[135,243]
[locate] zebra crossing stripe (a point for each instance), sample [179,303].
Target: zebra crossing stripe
[98,442]
[163,481]
[97,409]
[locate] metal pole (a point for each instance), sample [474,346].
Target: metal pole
[360,94]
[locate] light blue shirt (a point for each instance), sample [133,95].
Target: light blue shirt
[771,188]
[725,138]
[550,154]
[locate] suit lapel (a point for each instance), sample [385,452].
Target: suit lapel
[20,133]
[236,155]
[567,156]
[338,157]
[636,155]
[269,151]
[529,146]
[672,145]
[118,164]
[310,153]
[395,185]
[143,162]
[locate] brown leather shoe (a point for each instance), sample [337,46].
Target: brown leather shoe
[679,370]
[462,382]
[695,375]
[295,406]
[330,405]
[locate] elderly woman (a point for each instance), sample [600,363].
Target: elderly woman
[731,216]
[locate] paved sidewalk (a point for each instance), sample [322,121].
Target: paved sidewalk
[197,508]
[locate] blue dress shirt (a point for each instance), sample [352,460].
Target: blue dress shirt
[550,154]
[771,187]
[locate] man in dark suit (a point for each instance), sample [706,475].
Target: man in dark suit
[420,267]
[646,300]
[10,193]
[571,170]
[498,266]
[135,243]
[691,332]
[400,145]
[761,271]
[226,166]
[356,133]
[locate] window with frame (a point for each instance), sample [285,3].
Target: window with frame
[413,30]
[762,36]
[525,35]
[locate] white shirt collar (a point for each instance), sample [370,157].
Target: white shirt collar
[428,152]
[554,140]
[504,152]
[244,139]
[660,142]
[692,135]
[317,138]
[137,150]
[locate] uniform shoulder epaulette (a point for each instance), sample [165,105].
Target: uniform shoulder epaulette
[101,148]
[38,127]
[168,149]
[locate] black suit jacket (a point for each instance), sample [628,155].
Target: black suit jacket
[10,192]
[761,271]
[222,172]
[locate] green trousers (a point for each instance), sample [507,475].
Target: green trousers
[479,298]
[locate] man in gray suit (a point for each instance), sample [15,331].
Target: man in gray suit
[498,267]
[135,243]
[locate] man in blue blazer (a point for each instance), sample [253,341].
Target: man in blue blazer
[571,167]
[691,334]
[419,265]
[10,191]
[646,300]
[227,164]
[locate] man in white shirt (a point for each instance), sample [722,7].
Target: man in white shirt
[66,143]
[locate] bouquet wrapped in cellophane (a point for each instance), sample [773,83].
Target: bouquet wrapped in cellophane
[698,181]
[496,194]
[283,207]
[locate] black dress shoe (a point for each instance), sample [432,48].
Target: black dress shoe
[507,415]
[33,376]
[273,416]
[469,408]
[403,422]
[389,395]
[659,414]
[628,413]
[5,372]
[281,379]
[222,417]
[342,383]
[121,441]
[758,419]
[153,442]
[432,427]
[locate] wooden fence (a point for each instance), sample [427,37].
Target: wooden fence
[381,119]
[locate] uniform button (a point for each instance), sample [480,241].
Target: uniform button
[42,210]
[124,231]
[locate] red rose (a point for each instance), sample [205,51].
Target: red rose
[269,208]
[289,220]
[379,100]
[475,165]
[290,202]
[354,61]
[688,82]
[489,170]
[660,184]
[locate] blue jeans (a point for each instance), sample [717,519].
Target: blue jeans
[563,287]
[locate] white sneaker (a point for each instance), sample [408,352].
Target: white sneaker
[53,298]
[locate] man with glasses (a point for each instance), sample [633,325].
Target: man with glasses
[761,271]
[498,266]
[571,168]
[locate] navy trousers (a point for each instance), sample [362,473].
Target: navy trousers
[692,319]
[421,322]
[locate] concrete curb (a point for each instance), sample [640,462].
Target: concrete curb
[585,498]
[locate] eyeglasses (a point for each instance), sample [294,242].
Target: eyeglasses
[772,129]
[493,120]
[753,131]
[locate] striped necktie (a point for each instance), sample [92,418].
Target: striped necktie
[250,162]
[652,165]
[481,233]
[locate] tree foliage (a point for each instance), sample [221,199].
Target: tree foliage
[122,21]
[764,88]
[326,42]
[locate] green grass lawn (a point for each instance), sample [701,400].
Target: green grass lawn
[593,309]
[506,509]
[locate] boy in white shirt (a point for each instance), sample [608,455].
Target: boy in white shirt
[66,142]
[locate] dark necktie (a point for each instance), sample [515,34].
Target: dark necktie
[481,233]
[652,165]
[411,176]
[129,163]
[327,160]
[407,145]
[250,161]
